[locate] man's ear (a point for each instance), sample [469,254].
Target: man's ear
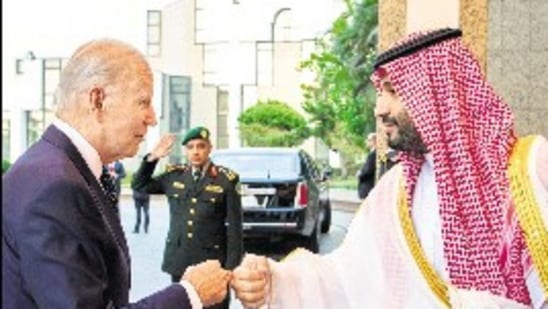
[96,98]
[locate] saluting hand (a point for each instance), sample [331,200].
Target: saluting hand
[251,281]
[163,148]
[209,280]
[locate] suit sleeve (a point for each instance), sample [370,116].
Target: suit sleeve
[143,180]
[68,255]
[234,229]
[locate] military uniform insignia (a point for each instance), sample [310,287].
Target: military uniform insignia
[178,185]
[229,173]
[214,188]
[203,134]
[174,167]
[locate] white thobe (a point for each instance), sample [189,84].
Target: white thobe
[373,267]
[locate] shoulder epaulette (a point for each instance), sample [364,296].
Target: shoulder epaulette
[230,174]
[176,167]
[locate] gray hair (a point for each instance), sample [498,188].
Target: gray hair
[99,63]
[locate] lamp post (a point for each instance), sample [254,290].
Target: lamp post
[273,23]
[273,37]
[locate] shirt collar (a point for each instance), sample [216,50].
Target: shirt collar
[90,154]
[204,168]
[429,159]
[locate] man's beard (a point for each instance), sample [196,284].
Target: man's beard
[407,139]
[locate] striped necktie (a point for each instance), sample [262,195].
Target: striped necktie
[107,182]
[196,175]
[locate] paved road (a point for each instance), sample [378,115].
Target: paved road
[146,249]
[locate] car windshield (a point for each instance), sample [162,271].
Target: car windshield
[267,163]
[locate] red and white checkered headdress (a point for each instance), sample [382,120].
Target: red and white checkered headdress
[469,131]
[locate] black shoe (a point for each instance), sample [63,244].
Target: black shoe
[136,231]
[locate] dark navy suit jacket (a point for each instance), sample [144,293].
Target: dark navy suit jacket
[62,242]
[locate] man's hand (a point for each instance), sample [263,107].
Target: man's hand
[163,148]
[209,280]
[251,281]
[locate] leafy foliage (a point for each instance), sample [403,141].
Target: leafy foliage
[272,123]
[340,102]
[5,165]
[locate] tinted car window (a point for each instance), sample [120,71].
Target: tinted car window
[310,167]
[257,163]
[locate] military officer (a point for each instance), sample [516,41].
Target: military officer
[204,202]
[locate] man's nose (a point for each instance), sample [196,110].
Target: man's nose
[381,107]
[151,117]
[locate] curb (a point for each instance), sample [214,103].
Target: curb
[345,206]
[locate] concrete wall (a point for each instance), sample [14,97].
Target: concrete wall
[517,61]
[182,54]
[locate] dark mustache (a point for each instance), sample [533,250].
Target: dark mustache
[389,120]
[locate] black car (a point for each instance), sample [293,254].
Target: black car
[283,193]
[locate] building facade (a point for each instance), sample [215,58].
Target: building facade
[211,59]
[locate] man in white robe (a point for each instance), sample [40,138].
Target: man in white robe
[460,223]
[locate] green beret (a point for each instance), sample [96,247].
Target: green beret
[196,132]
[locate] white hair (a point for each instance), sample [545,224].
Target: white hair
[99,63]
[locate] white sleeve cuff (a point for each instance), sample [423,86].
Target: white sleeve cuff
[192,295]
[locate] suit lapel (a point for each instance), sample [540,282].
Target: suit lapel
[111,219]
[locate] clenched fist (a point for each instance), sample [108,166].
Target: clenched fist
[251,281]
[209,280]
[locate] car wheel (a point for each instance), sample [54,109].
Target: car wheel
[326,223]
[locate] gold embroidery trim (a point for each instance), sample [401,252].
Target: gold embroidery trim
[436,284]
[528,209]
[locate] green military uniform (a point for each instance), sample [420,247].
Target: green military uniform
[205,215]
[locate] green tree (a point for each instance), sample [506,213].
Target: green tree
[272,123]
[340,102]
[5,165]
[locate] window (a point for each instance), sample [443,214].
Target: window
[34,126]
[177,101]
[259,163]
[222,119]
[154,32]
[52,73]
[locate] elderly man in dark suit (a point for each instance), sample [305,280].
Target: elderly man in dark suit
[62,242]
[204,202]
